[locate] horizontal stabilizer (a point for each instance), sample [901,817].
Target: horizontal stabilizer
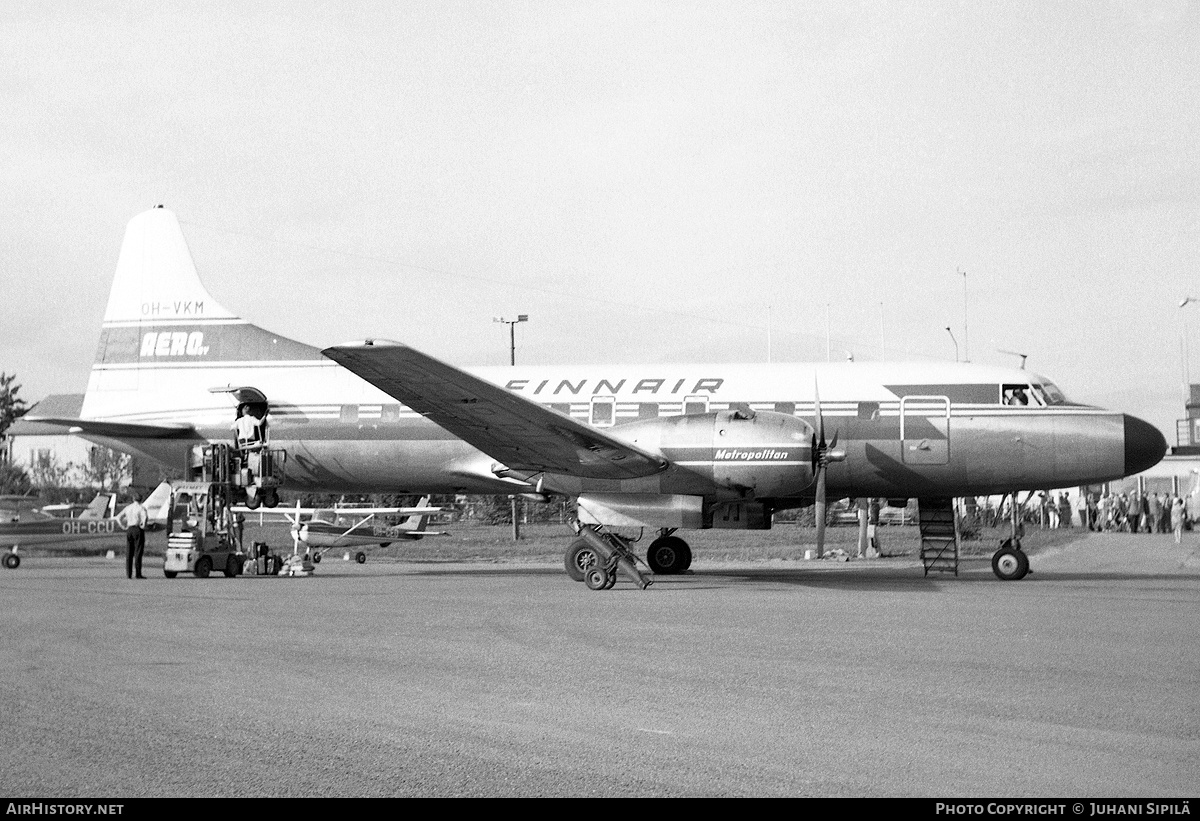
[119,430]
[520,433]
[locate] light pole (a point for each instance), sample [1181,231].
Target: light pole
[955,342]
[1183,349]
[966,336]
[512,334]
[512,360]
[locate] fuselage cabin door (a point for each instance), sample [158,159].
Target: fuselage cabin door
[925,430]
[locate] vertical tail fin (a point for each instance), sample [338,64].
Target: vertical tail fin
[418,522]
[98,508]
[164,334]
[156,277]
[158,503]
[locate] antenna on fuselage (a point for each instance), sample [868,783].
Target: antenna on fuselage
[1023,356]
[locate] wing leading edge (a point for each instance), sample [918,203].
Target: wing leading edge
[513,430]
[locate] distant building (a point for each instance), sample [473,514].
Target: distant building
[36,446]
[1177,473]
[33,445]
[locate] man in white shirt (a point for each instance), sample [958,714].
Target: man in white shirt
[134,518]
[247,428]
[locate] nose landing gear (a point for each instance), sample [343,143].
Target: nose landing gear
[1010,563]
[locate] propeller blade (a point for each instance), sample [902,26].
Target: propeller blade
[296,531]
[819,420]
[820,511]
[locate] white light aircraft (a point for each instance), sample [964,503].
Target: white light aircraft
[658,446]
[322,529]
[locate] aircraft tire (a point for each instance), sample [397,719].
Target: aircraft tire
[170,574]
[270,498]
[669,555]
[596,578]
[1010,564]
[580,556]
[316,558]
[12,561]
[360,557]
[203,567]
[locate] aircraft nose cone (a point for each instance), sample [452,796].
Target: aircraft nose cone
[1144,445]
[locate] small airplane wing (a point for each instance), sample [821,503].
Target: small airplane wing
[290,512]
[522,434]
[119,430]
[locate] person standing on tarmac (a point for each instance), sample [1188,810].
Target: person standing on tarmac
[134,518]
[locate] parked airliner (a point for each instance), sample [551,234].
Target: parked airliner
[658,446]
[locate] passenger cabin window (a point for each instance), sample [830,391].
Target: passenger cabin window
[349,413]
[389,413]
[868,410]
[788,408]
[648,410]
[604,411]
[695,405]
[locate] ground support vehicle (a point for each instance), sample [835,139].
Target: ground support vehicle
[203,533]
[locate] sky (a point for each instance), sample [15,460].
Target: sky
[647,181]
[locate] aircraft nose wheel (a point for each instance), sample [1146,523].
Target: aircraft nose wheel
[12,561]
[1010,563]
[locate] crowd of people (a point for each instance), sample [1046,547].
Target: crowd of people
[1130,512]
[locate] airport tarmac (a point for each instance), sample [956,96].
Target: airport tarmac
[770,679]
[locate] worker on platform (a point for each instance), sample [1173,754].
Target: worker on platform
[247,427]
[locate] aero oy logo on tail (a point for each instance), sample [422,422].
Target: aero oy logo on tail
[173,343]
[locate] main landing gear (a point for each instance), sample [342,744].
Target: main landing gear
[669,555]
[597,554]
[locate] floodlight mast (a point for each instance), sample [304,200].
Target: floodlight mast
[1183,348]
[512,335]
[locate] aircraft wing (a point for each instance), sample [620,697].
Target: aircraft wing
[522,434]
[286,512]
[119,430]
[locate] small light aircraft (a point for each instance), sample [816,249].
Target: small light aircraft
[22,524]
[323,529]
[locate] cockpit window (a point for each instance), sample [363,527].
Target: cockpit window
[1035,395]
[1015,395]
[1053,395]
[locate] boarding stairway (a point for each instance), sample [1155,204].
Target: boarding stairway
[939,536]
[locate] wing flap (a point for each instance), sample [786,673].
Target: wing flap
[522,434]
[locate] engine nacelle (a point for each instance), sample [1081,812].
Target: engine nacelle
[761,454]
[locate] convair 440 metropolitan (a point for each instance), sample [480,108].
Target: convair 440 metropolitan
[660,447]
